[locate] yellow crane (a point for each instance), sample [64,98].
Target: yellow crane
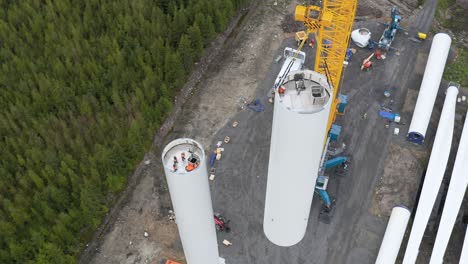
[332,23]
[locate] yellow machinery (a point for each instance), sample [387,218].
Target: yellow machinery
[421,36]
[332,24]
[300,37]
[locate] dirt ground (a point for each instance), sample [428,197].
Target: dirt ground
[245,68]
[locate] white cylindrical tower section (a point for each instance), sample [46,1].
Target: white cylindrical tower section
[430,85]
[187,177]
[301,111]
[434,174]
[454,199]
[394,234]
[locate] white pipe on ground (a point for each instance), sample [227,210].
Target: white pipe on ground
[429,87]
[454,199]
[434,174]
[394,234]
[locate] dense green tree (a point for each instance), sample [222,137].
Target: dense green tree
[196,40]
[51,254]
[186,52]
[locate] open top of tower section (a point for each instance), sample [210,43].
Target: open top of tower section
[304,91]
[183,156]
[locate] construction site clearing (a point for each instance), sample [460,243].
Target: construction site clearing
[385,169]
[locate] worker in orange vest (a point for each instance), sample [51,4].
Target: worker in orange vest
[281,90]
[191,166]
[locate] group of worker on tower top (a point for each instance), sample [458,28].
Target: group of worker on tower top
[192,163]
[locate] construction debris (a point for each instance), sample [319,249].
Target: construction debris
[278,58]
[146,234]
[171,215]
[235,123]
[227,139]
[227,243]
[212,173]
[218,153]
[241,102]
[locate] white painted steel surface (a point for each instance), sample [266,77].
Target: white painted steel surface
[394,234]
[361,37]
[293,61]
[298,136]
[190,195]
[429,87]
[454,199]
[434,174]
[464,253]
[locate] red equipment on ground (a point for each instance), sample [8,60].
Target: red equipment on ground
[221,223]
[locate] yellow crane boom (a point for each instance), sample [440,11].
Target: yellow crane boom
[332,24]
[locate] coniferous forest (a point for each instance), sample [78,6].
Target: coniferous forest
[84,86]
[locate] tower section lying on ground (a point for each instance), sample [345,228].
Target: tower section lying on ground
[429,87]
[434,175]
[394,234]
[454,199]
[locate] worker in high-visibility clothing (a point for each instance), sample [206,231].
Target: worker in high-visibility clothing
[191,166]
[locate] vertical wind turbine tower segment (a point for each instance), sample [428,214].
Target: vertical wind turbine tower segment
[394,234]
[454,199]
[434,174]
[301,111]
[187,177]
[429,87]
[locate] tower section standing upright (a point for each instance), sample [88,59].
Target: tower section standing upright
[187,177]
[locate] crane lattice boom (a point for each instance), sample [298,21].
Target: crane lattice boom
[332,23]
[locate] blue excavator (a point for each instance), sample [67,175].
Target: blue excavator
[321,187]
[389,33]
